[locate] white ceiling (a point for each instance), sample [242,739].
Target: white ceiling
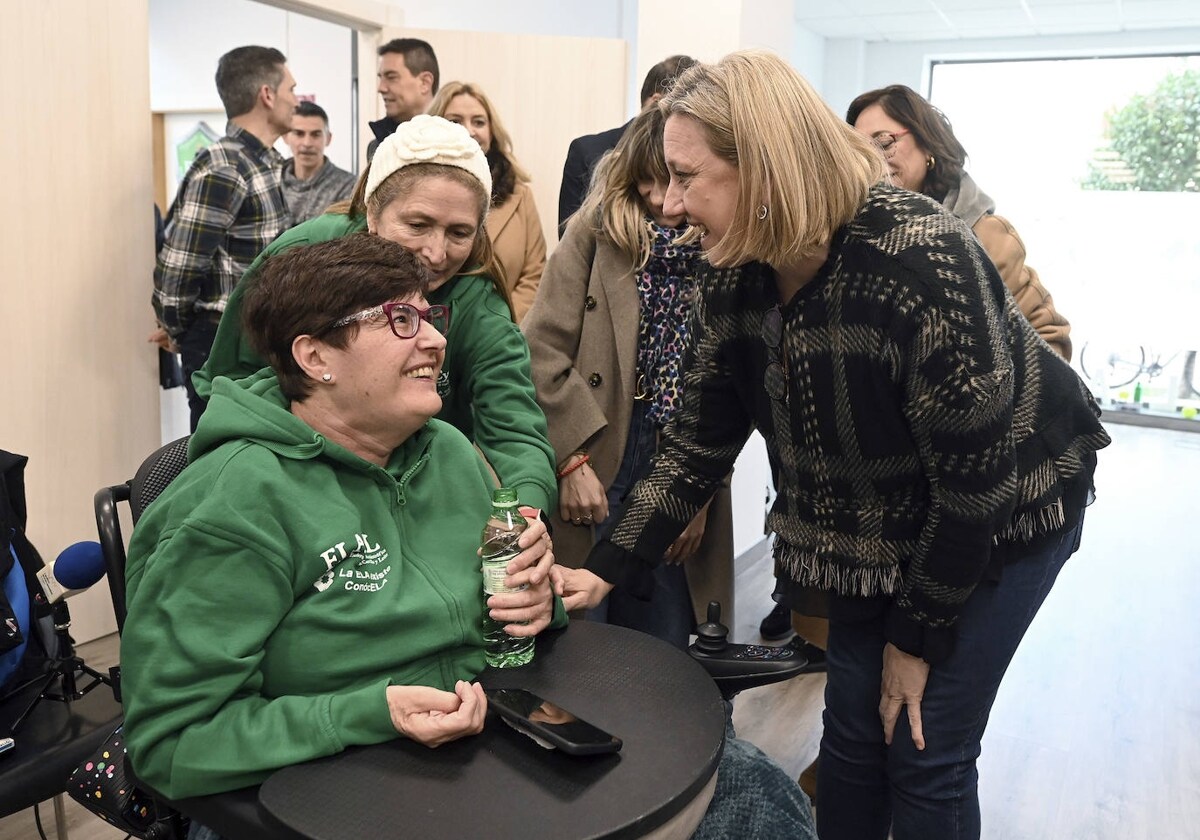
[928,20]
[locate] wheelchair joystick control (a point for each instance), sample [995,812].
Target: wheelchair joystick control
[712,636]
[736,667]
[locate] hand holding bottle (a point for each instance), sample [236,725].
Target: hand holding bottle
[529,569]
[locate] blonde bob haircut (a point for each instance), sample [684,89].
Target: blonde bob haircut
[506,171]
[794,156]
[613,202]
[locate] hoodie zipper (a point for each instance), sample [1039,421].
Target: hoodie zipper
[401,498]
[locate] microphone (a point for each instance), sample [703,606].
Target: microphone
[76,568]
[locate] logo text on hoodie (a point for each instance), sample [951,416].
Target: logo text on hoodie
[356,576]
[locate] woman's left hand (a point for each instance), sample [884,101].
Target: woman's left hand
[904,678]
[688,543]
[529,611]
[432,717]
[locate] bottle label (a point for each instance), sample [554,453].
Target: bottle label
[494,572]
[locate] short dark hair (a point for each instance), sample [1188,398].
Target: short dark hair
[418,56]
[312,109]
[304,290]
[241,72]
[662,75]
[930,129]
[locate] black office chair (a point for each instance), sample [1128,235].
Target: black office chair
[238,813]
[151,478]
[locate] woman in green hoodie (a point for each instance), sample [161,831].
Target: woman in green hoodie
[310,581]
[428,189]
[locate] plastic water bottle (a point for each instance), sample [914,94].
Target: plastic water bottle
[498,546]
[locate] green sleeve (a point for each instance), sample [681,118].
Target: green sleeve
[509,426]
[196,719]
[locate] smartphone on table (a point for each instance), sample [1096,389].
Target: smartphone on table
[544,721]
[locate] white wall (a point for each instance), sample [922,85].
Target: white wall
[808,56]
[187,39]
[768,24]
[76,258]
[844,72]
[709,30]
[580,18]
[907,62]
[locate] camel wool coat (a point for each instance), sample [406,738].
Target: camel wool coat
[516,233]
[583,333]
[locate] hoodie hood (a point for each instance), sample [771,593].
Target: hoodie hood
[968,202]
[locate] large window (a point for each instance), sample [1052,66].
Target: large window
[1094,161]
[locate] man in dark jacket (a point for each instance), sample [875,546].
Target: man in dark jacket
[585,151]
[408,80]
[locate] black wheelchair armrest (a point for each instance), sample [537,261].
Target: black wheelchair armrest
[734,667]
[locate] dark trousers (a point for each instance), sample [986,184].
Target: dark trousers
[867,787]
[194,347]
[668,614]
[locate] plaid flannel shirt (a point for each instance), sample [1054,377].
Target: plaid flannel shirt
[230,206]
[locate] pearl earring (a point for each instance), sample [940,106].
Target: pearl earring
[327,377]
[929,162]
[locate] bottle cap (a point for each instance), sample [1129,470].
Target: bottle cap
[504,497]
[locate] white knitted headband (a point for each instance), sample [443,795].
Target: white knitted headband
[428,139]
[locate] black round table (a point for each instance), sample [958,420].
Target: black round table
[501,784]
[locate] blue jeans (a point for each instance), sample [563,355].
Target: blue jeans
[867,787]
[668,614]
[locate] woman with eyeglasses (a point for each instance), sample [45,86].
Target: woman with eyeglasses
[311,581]
[606,336]
[932,456]
[428,188]
[924,156]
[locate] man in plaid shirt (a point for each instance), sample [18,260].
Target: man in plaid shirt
[229,207]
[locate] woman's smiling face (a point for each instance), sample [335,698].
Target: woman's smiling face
[387,386]
[704,187]
[438,220]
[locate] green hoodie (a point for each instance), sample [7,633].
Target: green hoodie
[281,583]
[486,386]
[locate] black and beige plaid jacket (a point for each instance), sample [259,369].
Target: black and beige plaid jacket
[922,422]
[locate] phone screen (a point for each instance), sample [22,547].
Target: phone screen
[555,722]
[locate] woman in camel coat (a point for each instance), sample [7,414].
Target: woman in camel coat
[513,224]
[588,341]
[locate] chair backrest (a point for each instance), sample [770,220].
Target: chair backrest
[151,478]
[155,473]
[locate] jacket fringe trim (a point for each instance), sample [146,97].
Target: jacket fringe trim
[1025,526]
[806,569]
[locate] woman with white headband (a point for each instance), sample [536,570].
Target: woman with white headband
[427,188]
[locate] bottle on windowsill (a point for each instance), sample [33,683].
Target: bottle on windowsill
[499,545]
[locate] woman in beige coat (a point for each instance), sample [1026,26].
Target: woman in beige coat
[513,223]
[924,156]
[606,335]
